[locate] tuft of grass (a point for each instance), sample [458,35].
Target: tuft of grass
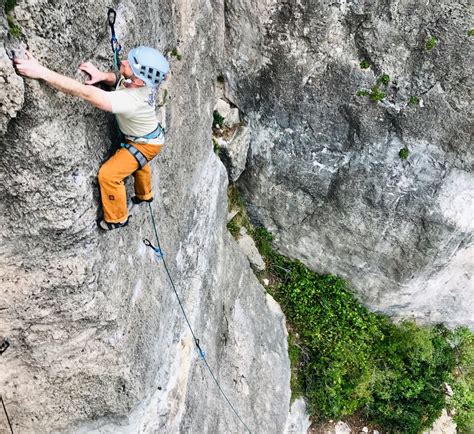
[377,95]
[404,153]
[216,147]
[13,28]
[363,93]
[364,64]
[414,100]
[470,32]
[431,43]
[241,219]
[175,53]
[384,79]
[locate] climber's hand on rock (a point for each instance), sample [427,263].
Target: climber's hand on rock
[90,69]
[29,67]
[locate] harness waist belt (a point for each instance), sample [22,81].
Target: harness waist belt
[141,159]
[155,134]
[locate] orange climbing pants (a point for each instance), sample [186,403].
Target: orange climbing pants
[111,180]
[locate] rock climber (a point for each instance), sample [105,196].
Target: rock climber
[133,103]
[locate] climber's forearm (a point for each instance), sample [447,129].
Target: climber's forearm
[110,79]
[91,94]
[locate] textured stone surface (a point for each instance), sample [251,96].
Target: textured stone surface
[323,172]
[247,244]
[233,153]
[98,341]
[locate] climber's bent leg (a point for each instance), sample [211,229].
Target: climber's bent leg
[112,188]
[143,176]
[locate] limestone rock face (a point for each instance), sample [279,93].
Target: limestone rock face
[98,341]
[324,172]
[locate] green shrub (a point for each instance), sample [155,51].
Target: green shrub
[220,78]
[404,153]
[462,379]
[376,94]
[414,100]
[346,359]
[384,79]
[363,93]
[431,43]
[364,64]
[217,120]
[407,382]
[175,53]
[470,32]
[233,228]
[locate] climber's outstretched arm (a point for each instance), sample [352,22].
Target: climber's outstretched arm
[31,68]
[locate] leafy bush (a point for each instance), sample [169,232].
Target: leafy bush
[407,382]
[462,379]
[384,79]
[414,100]
[217,120]
[346,359]
[364,64]
[404,153]
[431,43]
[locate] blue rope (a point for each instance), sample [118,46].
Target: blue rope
[202,354]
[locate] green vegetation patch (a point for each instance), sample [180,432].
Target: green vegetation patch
[235,203]
[414,100]
[470,32]
[462,379]
[384,79]
[364,64]
[376,94]
[175,53]
[431,43]
[217,120]
[9,5]
[13,28]
[347,360]
[404,153]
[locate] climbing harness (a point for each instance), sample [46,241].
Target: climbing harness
[141,159]
[201,352]
[116,47]
[6,414]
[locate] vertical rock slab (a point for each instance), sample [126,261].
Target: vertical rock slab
[324,172]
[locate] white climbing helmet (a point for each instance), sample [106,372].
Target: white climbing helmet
[149,65]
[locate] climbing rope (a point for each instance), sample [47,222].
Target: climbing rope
[202,355]
[116,47]
[6,414]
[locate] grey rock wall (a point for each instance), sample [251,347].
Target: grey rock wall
[98,343]
[323,172]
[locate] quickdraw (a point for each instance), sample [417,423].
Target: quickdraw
[116,47]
